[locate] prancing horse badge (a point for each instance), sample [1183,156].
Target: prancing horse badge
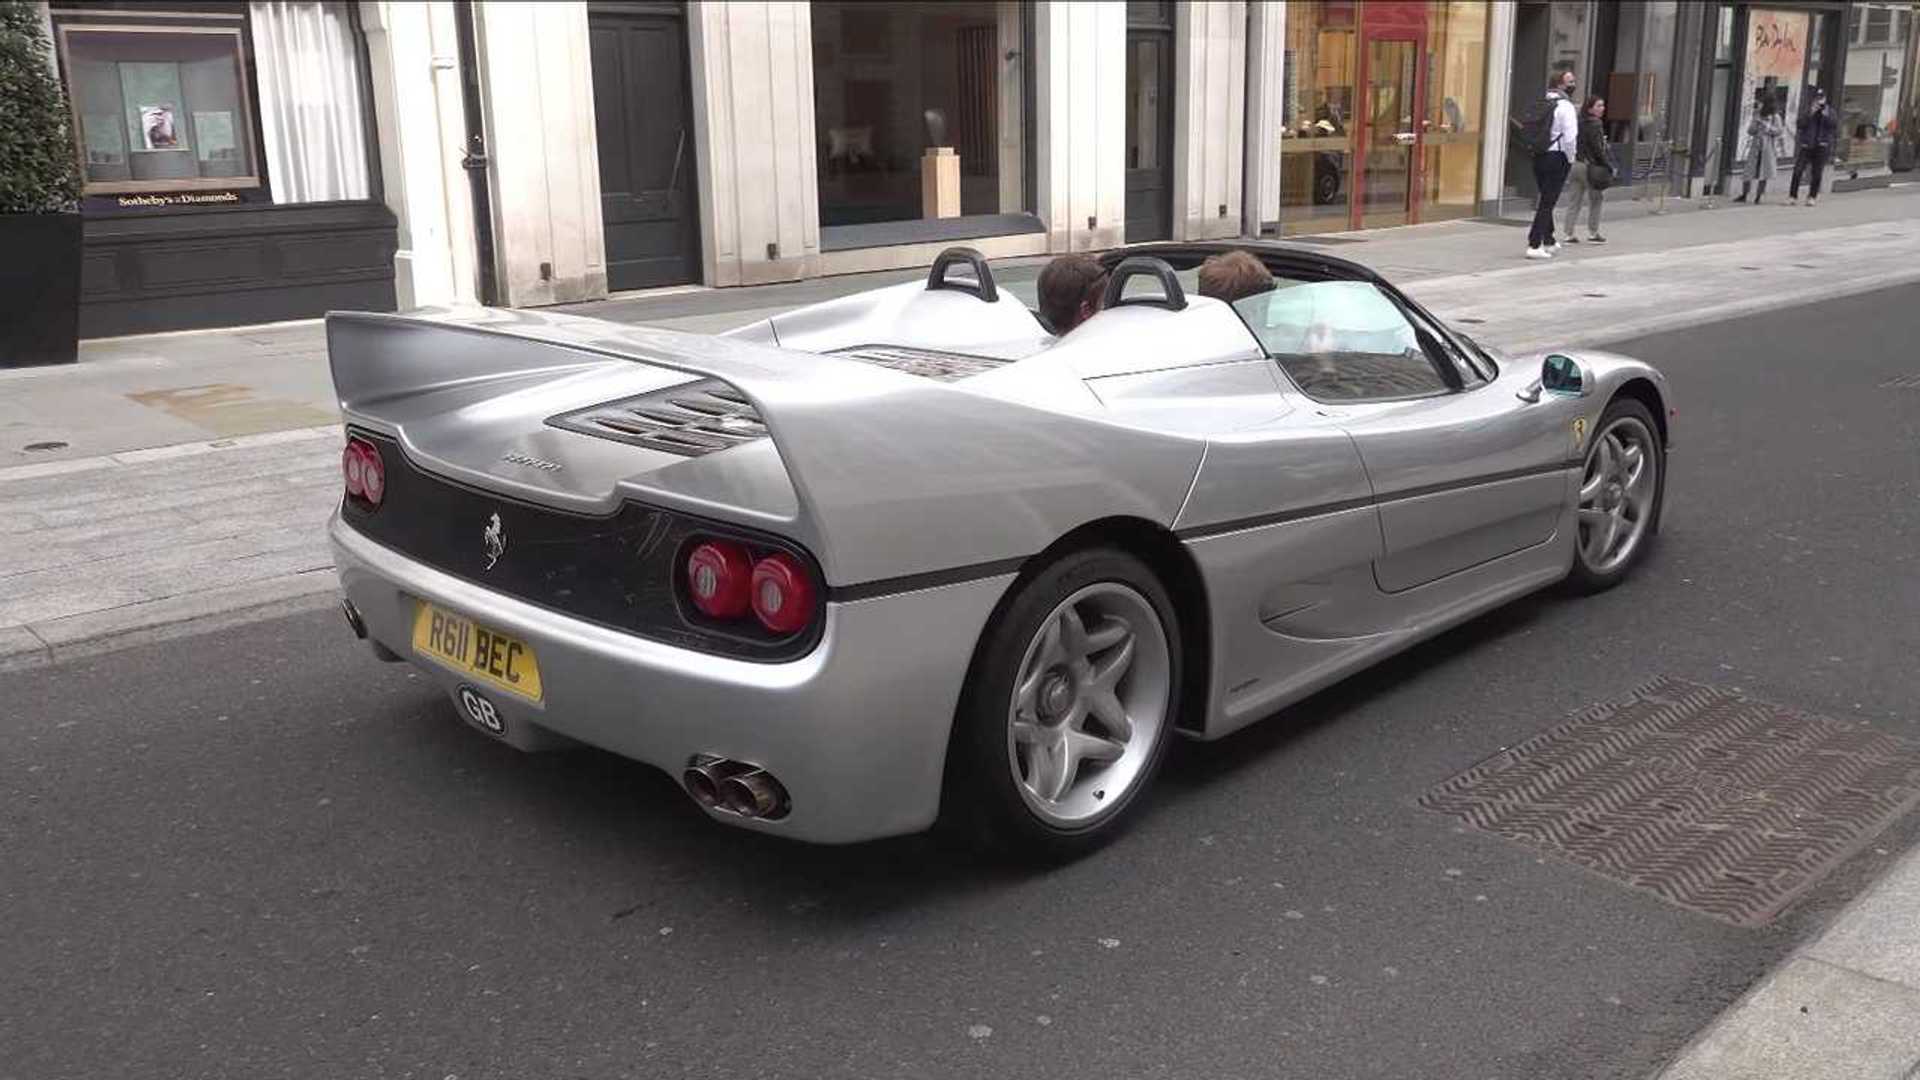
[496,540]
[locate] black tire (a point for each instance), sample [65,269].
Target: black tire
[981,798]
[1582,577]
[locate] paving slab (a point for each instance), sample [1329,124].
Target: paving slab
[1810,1020]
[1879,935]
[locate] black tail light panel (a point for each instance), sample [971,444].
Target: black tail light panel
[625,571]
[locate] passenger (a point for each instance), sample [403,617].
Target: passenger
[1070,291]
[1233,276]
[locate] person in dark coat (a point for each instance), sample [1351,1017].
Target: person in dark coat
[1592,160]
[1818,132]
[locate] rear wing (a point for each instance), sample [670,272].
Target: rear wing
[896,476]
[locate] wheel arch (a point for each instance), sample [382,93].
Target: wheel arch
[1166,556]
[1642,389]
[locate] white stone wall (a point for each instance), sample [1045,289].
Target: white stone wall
[1493,147]
[753,125]
[545,174]
[1266,83]
[415,72]
[1209,118]
[1081,113]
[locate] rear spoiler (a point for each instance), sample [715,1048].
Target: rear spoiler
[896,476]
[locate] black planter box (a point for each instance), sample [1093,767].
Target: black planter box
[39,289]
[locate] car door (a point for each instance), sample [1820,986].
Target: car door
[1462,468]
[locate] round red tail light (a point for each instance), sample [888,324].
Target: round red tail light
[354,464]
[782,594]
[373,474]
[718,579]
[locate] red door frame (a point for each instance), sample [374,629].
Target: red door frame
[1389,20]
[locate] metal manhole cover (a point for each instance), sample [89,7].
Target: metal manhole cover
[1902,382]
[1710,800]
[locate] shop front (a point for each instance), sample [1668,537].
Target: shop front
[1639,56]
[1878,78]
[1768,56]
[227,160]
[1381,113]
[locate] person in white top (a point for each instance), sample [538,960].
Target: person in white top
[1551,166]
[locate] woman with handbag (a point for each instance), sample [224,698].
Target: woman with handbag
[1592,172]
[1764,131]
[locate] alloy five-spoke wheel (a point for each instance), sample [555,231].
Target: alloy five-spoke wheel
[1089,704]
[1620,493]
[1068,709]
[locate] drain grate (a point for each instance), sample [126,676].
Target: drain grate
[1710,800]
[1901,382]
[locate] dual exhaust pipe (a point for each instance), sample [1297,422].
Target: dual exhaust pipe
[735,787]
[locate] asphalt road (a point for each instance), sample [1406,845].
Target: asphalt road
[259,853]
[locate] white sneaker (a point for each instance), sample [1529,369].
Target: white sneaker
[1539,253]
[1813,201]
[1554,248]
[1791,201]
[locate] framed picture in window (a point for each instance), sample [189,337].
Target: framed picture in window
[160,106]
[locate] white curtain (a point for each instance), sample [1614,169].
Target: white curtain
[310,116]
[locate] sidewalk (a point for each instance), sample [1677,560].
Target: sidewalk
[173,479]
[1845,1007]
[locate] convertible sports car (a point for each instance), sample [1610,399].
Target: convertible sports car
[907,556]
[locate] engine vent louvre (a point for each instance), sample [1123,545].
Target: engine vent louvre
[926,363]
[689,420]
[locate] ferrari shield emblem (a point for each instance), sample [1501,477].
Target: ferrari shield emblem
[1580,433]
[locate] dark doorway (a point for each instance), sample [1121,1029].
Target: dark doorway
[1149,121]
[648,192]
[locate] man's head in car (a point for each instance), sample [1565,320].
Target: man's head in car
[1070,291]
[1233,276]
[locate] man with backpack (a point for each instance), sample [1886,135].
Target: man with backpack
[1549,129]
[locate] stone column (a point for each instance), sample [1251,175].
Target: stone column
[414,67]
[1209,118]
[753,124]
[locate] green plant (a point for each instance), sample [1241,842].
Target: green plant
[38,174]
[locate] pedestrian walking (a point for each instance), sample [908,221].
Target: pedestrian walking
[1593,171]
[1550,130]
[1817,132]
[1764,133]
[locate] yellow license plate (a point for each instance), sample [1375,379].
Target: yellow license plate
[500,660]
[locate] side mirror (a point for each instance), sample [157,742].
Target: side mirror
[1562,374]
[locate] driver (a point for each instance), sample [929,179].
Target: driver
[1070,291]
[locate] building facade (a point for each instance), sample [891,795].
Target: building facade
[265,160]
[1683,80]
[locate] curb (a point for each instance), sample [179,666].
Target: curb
[75,637]
[1733,309]
[1846,1004]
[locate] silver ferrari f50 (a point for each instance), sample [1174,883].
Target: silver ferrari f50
[907,556]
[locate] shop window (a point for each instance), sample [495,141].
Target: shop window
[1870,98]
[1779,61]
[1317,102]
[1456,88]
[263,98]
[921,114]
